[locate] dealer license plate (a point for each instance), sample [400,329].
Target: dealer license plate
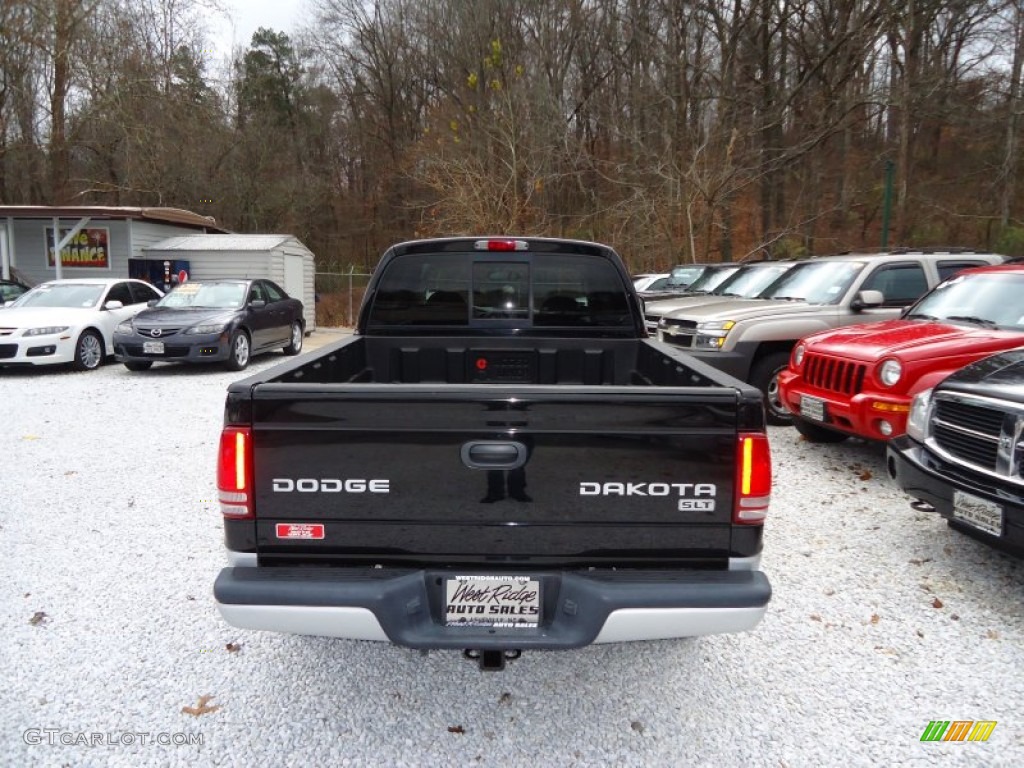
[812,408]
[979,513]
[153,347]
[492,601]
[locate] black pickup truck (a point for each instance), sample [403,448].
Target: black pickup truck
[963,453]
[498,459]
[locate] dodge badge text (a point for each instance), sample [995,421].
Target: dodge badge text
[329,485]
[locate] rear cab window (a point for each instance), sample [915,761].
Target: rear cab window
[498,290]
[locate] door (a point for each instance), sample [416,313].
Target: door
[295,283]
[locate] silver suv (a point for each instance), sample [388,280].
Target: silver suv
[742,281]
[751,338]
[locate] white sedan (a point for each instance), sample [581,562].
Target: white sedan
[70,321]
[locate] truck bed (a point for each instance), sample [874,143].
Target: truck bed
[610,475]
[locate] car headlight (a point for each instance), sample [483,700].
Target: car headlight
[890,371]
[49,330]
[711,335]
[206,328]
[662,322]
[917,419]
[125,328]
[798,355]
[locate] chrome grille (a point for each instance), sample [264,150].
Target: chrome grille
[968,431]
[985,434]
[833,374]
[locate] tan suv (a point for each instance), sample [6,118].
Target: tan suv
[751,339]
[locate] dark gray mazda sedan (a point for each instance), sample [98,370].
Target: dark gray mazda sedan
[209,321]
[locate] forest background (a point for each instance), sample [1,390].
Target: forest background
[675,131]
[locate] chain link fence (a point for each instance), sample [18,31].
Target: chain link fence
[338,296]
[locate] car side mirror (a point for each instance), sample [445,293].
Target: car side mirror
[257,304]
[866,300]
[114,304]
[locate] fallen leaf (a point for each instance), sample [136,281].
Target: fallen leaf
[954,616]
[948,549]
[456,729]
[637,726]
[30,437]
[866,475]
[829,591]
[920,633]
[920,561]
[875,618]
[233,647]
[992,634]
[506,698]
[936,603]
[815,617]
[202,708]
[28,594]
[39,617]
[189,597]
[70,472]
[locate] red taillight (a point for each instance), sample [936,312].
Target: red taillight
[501,245]
[753,479]
[234,472]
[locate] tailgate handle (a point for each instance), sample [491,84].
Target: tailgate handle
[494,454]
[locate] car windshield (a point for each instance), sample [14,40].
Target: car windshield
[205,296]
[751,281]
[683,276]
[711,279]
[991,298]
[816,282]
[77,295]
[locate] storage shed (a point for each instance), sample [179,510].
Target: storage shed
[281,258]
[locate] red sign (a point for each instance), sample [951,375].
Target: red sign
[89,248]
[300,531]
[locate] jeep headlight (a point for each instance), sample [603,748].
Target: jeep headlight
[798,355]
[711,335]
[917,419]
[890,371]
[49,330]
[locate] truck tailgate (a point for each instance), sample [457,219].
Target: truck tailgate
[422,475]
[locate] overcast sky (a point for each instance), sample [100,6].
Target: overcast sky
[249,15]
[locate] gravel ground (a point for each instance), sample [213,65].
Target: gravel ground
[883,619]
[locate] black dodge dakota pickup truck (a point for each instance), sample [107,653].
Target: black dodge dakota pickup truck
[498,459]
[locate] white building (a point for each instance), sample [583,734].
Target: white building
[95,240]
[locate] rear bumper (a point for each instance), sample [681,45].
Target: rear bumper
[926,477]
[406,607]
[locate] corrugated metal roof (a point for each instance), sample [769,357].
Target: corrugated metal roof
[221,243]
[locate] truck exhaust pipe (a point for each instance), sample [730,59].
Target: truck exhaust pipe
[492,661]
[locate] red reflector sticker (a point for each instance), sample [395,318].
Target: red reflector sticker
[300,531]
